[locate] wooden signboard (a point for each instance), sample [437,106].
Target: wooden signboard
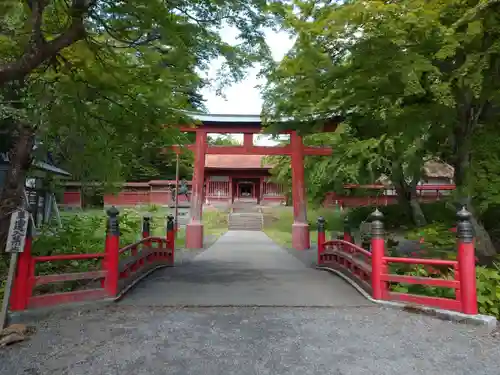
[17,231]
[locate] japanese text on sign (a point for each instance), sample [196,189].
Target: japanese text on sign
[17,232]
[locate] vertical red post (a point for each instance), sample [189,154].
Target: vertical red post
[21,288]
[248,141]
[378,251]
[194,229]
[321,238]
[466,262]
[146,226]
[300,227]
[171,238]
[111,260]
[146,233]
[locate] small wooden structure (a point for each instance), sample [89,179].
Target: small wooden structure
[40,196]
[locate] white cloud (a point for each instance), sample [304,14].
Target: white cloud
[244,97]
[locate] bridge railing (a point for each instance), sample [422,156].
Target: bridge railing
[118,271]
[370,269]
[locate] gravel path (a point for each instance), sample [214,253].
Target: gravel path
[214,341]
[335,332]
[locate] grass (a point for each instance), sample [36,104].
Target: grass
[215,222]
[278,223]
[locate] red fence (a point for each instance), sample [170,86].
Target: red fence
[118,271]
[370,268]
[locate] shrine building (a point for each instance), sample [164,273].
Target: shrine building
[230,178]
[224,174]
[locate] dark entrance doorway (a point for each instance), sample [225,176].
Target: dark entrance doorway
[246,190]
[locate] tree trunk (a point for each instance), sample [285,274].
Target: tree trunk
[484,245]
[407,194]
[12,194]
[461,163]
[407,198]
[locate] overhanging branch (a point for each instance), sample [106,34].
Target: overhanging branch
[39,52]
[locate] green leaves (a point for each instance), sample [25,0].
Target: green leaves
[488,290]
[411,80]
[105,103]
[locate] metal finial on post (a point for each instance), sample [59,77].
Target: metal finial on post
[377,224]
[170,222]
[146,223]
[321,224]
[113,226]
[465,230]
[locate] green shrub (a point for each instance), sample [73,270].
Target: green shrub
[423,271]
[281,219]
[488,290]
[437,238]
[396,217]
[333,219]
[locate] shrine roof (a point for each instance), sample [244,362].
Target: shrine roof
[231,121]
[225,118]
[236,162]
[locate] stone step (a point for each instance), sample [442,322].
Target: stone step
[245,221]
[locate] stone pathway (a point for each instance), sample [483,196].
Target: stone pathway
[334,331]
[244,268]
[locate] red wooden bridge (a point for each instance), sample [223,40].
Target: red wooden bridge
[247,305]
[122,267]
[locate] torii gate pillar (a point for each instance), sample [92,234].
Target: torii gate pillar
[194,229]
[300,227]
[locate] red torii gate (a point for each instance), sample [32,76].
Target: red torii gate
[248,126]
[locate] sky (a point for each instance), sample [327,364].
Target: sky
[244,97]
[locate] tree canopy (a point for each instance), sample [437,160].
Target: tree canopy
[410,79]
[98,82]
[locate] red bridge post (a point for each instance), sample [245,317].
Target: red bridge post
[171,236]
[112,247]
[379,287]
[466,262]
[321,237]
[146,228]
[20,289]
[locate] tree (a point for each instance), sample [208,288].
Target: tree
[223,140]
[97,79]
[412,76]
